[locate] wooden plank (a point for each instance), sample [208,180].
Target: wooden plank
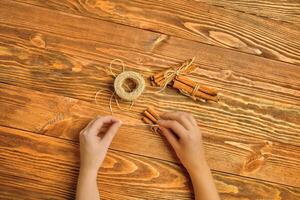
[281,10]
[69,58]
[68,67]
[39,167]
[229,152]
[201,22]
[216,64]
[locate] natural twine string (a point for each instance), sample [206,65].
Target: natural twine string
[170,74]
[119,82]
[192,95]
[120,91]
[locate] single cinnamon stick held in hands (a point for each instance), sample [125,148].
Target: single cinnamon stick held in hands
[150,116]
[153,112]
[147,121]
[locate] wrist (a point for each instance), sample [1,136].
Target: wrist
[199,170]
[88,171]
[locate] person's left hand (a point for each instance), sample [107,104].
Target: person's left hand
[93,146]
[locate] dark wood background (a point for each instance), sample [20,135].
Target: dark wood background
[53,56]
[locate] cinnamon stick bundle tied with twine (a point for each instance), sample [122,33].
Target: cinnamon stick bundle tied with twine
[194,90]
[176,77]
[150,117]
[163,78]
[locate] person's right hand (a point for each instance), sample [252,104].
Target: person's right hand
[182,132]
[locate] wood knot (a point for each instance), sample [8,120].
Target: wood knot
[105,6]
[226,74]
[38,41]
[232,41]
[227,39]
[259,155]
[253,163]
[226,188]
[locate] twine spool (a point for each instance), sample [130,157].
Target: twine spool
[119,90]
[136,78]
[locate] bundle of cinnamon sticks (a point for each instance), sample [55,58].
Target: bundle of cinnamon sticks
[194,90]
[159,79]
[176,77]
[150,117]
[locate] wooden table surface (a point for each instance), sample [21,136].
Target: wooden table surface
[53,56]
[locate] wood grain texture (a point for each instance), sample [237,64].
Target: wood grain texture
[227,150]
[253,131]
[219,67]
[194,20]
[40,167]
[281,10]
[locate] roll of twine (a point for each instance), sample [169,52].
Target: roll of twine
[119,84]
[120,81]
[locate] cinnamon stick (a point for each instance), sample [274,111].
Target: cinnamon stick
[153,113]
[159,78]
[150,116]
[152,83]
[147,121]
[159,75]
[161,83]
[181,86]
[187,81]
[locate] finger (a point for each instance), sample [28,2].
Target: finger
[111,132]
[192,119]
[177,128]
[95,127]
[170,137]
[88,125]
[180,117]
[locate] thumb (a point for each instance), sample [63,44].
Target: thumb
[170,137]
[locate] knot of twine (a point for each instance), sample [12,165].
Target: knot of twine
[119,84]
[192,95]
[170,74]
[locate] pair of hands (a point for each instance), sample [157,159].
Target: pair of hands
[179,128]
